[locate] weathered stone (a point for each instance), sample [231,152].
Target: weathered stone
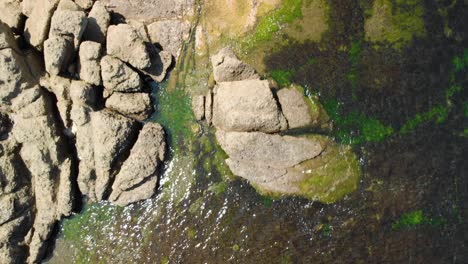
[61,88]
[27,7]
[68,23]
[134,105]
[112,135]
[160,63]
[37,25]
[123,42]
[170,34]
[227,67]
[68,5]
[299,110]
[85,4]
[247,106]
[10,13]
[58,52]
[98,22]
[138,176]
[198,107]
[140,28]
[209,106]
[89,67]
[82,93]
[7,40]
[118,77]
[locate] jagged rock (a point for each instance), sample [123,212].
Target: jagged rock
[68,23]
[160,63]
[37,25]
[58,52]
[112,136]
[118,77]
[198,107]
[85,4]
[227,67]
[68,5]
[134,105]
[247,106]
[299,110]
[138,176]
[61,88]
[123,42]
[209,107]
[98,22]
[170,34]
[10,13]
[89,67]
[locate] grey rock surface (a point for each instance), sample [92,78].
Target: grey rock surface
[170,34]
[124,43]
[227,67]
[68,23]
[98,22]
[10,13]
[58,52]
[134,105]
[37,25]
[89,62]
[118,77]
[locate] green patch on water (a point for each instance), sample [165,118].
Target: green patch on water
[282,77]
[218,188]
[438,113]
[414,219]
[465,109]
[354,55]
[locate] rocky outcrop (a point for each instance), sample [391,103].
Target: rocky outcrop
[247,112]
[137,178]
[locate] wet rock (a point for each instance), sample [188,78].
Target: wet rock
[68,23]
[198,107]
[37,25]
[227,67]
[118,77]
[138,176]
[160,63]
[247,106]
[98,22]
[134,105]
[300,111]
[58,52]
[123,42]
[170,34]
[89,67]
[10,13]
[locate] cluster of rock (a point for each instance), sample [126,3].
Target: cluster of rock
[72,102]
[253,118]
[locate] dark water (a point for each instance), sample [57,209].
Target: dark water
[412,202]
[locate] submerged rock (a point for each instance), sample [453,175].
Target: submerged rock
[137,180]
[247,106]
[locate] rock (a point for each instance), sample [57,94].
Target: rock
[61,88]
[89,67]
[85,4]
[98,22]
[227,67]
[82,93]
[300,111]
[68,23]
[7,40]
[27,7]
[123,42]
[68,5]
[198,107]
[10,14]
[112,136]
[247,106]
[118,77]
[37,25]
[140,28]
[138,176]
[134,105]
[170,34]
[58,52]
[209,107]
[160,63]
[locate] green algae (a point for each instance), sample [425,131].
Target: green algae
[395,22]
[438,113]
[282,77]
[354,55]
[218,188]
[414,219]
[465,109]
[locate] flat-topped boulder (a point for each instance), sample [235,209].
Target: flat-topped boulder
[246,106]
[134,105]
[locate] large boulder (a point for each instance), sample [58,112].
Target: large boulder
[118,77]
[134,105]
[300,111]
[227,67]
[138,177]
[68,23]
[37,25]
[170,34]
[98,22]
[160,63]
[58,53]
[10,13]
[123,42]
[89,64]
[247,106]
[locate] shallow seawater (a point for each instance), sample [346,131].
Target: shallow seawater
[404,112]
